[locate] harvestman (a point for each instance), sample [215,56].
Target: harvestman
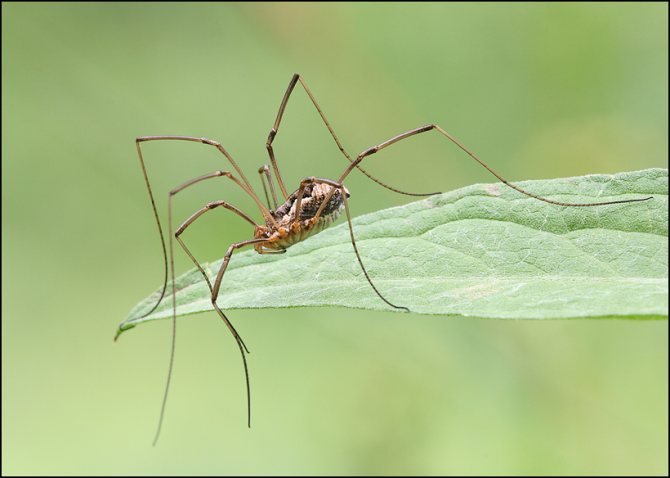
[314,206]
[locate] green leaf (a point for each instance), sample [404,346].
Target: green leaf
[482,251]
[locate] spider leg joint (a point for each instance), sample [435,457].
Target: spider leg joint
[369,151]
[271,137]
[210,142]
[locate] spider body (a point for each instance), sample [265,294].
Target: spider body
[285,230]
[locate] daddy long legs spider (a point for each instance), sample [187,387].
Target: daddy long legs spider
[287,219]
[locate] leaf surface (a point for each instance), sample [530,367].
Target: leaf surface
[482,251]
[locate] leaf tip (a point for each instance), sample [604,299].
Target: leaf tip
[122,328]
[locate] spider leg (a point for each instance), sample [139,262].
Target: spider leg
[273,132]
[171,194]
[197,214]
[214,289]
[358,256]
[264,172]
[340,187]
[185,225]
[298,199]
[215,293]
[431,127]
[244,184]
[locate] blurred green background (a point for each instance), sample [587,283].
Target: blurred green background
[539,91]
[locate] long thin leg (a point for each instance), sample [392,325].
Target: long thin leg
[344,194]
[358,256]
[209,206]
[435,127]
[215,293]
[193,218]
[273,132]
[171,194]
[244,185]
[215,289]
[264,172]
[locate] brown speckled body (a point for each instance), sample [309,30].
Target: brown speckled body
[289,232]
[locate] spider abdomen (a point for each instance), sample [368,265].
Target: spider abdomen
[290,232]
[287,237]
